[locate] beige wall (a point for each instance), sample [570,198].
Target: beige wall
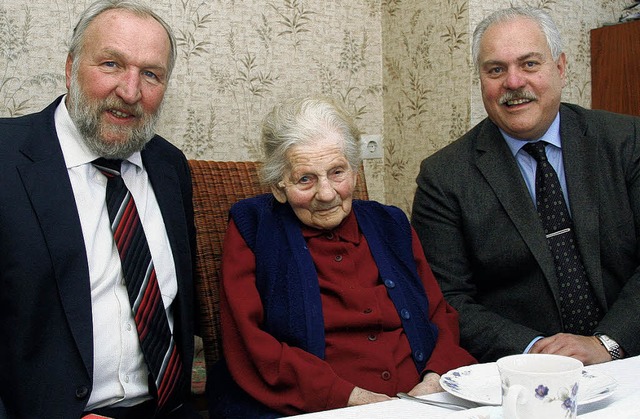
[402,66]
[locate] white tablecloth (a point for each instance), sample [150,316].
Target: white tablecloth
[624,403]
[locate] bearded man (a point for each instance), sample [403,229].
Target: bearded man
[79,280]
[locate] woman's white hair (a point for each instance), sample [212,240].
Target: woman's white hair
[302,121]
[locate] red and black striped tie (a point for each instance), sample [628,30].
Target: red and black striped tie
[156,340]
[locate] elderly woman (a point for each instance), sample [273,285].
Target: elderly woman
[326,301]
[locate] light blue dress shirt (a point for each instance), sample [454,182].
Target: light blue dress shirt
[527,164]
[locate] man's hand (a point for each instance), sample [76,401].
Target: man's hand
[361,396]
[587,349]
[429,384]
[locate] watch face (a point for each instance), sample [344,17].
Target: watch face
[610,342]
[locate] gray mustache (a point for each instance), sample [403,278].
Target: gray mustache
[524,94]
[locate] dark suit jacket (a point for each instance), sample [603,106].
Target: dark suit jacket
[46,354]
[485,243]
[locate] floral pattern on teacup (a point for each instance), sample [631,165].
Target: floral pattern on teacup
[568,398]
[542,391]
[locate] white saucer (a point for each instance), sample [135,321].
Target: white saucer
[480,383]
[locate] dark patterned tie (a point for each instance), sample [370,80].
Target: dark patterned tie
[156,340]
[580,310]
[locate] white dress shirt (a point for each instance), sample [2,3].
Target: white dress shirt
[120,375]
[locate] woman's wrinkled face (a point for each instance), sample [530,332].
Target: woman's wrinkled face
[319,182]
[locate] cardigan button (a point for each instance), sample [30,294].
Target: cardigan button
[386,375]
[338,258]
[389,283]
[82,392]
[372,337]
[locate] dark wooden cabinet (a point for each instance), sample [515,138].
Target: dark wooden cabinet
[615,68]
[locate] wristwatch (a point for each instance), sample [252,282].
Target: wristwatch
[610,345]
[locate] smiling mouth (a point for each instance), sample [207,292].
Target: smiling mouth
[119,114]
[517,97]
[516,102]
[325,211]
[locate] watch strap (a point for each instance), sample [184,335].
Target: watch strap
[610,345]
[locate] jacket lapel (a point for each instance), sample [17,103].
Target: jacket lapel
[581,179]
[166,185]
[47,184]
[499,168]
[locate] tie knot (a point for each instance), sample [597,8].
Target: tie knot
[108,167]
[536,150]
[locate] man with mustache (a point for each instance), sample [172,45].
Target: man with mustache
[74,343]
[480,213]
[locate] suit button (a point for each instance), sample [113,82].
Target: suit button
[82,392]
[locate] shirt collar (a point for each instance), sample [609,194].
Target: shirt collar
[348,230]
[552,136]
[74,150]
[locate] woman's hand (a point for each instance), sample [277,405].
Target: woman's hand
[361,396]
[429,384]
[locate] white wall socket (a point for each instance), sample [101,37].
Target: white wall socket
[372,146]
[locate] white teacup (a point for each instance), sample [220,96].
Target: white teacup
[539,386]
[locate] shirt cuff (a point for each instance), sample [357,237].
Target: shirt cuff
[528,348]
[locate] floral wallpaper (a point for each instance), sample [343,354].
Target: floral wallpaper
[401,66]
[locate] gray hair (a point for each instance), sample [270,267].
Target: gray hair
[299,122]
[100,6]
[544,21]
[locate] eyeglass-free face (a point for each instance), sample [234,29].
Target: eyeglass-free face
[319,184]
[521,83]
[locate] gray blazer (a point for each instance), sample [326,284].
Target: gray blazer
[485,242]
